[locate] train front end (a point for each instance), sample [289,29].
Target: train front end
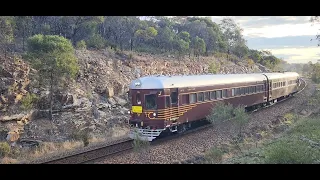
[146,122]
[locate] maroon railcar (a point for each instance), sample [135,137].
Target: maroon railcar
[171,103]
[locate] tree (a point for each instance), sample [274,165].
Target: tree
[232,33]
[53,56]
[199,46]
[23,28]
[316,20]
[6,32]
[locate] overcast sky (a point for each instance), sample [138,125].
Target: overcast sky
[287,37]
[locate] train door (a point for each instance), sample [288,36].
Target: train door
[174,97]
[168,108]
[269,92]
[268,88]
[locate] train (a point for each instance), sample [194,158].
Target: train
[170,104]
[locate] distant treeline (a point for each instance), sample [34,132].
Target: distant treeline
[192,36]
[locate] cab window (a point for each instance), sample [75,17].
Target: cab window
[174,97]
[150,101]
[138,98]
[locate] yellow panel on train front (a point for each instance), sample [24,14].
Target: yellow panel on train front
[137,109]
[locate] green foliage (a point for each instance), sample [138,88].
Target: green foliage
[81,45]
[213,156]
[4,149]
[299,146]
[52,53]
[214,67]
[96,41]
[241,117]
[307,127]
[199,46]
[28,101]
[220,112]
[193,35]
[290,151]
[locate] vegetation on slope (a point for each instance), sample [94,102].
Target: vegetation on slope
[192,36]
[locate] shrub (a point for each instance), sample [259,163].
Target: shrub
[220,112]
[290,117]
[81,45]
[214,67]
[213,156]
[250,62]
[4,149]
[83,136]
[240,117]
[28,101]
[139,145]
[130,56]
[290,152]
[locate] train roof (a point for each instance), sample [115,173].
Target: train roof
[161,82]
[272,76]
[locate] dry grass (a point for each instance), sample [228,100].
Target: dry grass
[8,160]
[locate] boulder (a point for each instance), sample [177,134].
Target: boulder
[120,101]
[109,92]
[111,101]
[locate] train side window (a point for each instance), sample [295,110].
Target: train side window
[233,91]
[247,90]
[193,98]
[284,83]
[206,96]
[174,97]
[167,101]
[242,91]
[251,89]
[200,97]
[219,94]
[262,88]
[138,98]
[213,95]
[224,93]
[238,91]
[185,99]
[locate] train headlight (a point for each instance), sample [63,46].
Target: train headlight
[128,112]
[154,114]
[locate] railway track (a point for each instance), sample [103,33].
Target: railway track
[126,145]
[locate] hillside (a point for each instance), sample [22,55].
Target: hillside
[97,98]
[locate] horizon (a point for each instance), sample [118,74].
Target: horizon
[286,37]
